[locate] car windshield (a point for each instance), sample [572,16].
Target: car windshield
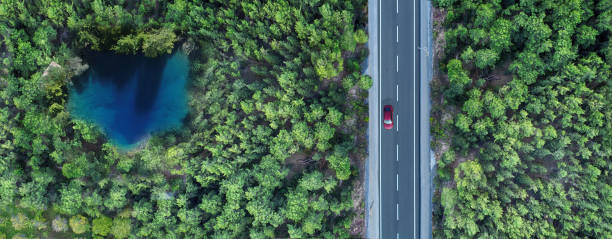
[387,121]
[387,109]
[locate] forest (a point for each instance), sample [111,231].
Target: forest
[522,119]
[272,146]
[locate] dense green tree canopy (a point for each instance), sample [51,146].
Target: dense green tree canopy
[525,130]
[267,150]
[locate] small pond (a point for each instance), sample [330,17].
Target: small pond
[130,97]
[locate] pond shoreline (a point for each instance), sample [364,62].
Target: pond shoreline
[131,97]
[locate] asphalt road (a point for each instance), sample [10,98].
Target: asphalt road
[399,84]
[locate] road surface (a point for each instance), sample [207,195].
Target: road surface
[399,86]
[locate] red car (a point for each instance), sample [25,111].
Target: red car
[388,117]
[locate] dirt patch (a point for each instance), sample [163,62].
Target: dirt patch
[353,92]
[500,75]
[439,80]
[170,174]
[549,164]
[358,159]
[440,112]
[443,146]
[358,224]
[439,16]
[247,74]
[296,163]
[460,159]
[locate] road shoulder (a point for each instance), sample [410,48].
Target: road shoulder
[426,161]
[372,165]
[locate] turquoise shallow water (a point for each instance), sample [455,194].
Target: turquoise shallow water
[130,97]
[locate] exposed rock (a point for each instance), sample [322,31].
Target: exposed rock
[142,144]
[76,66]
[52,65]
[59,224]
[188,46]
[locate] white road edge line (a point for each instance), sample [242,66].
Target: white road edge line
[396,63]
[379,134]
[414,117]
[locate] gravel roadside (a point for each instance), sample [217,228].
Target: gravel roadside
[427,161]
[372,165]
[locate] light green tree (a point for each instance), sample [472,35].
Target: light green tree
[101,226]
[79,224]
[121,227]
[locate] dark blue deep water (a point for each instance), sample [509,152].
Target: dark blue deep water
[130,97]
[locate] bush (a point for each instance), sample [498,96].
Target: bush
[365,82]
[121,228]
[79,224]
[101,226]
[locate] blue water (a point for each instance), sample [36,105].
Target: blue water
[130,97]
